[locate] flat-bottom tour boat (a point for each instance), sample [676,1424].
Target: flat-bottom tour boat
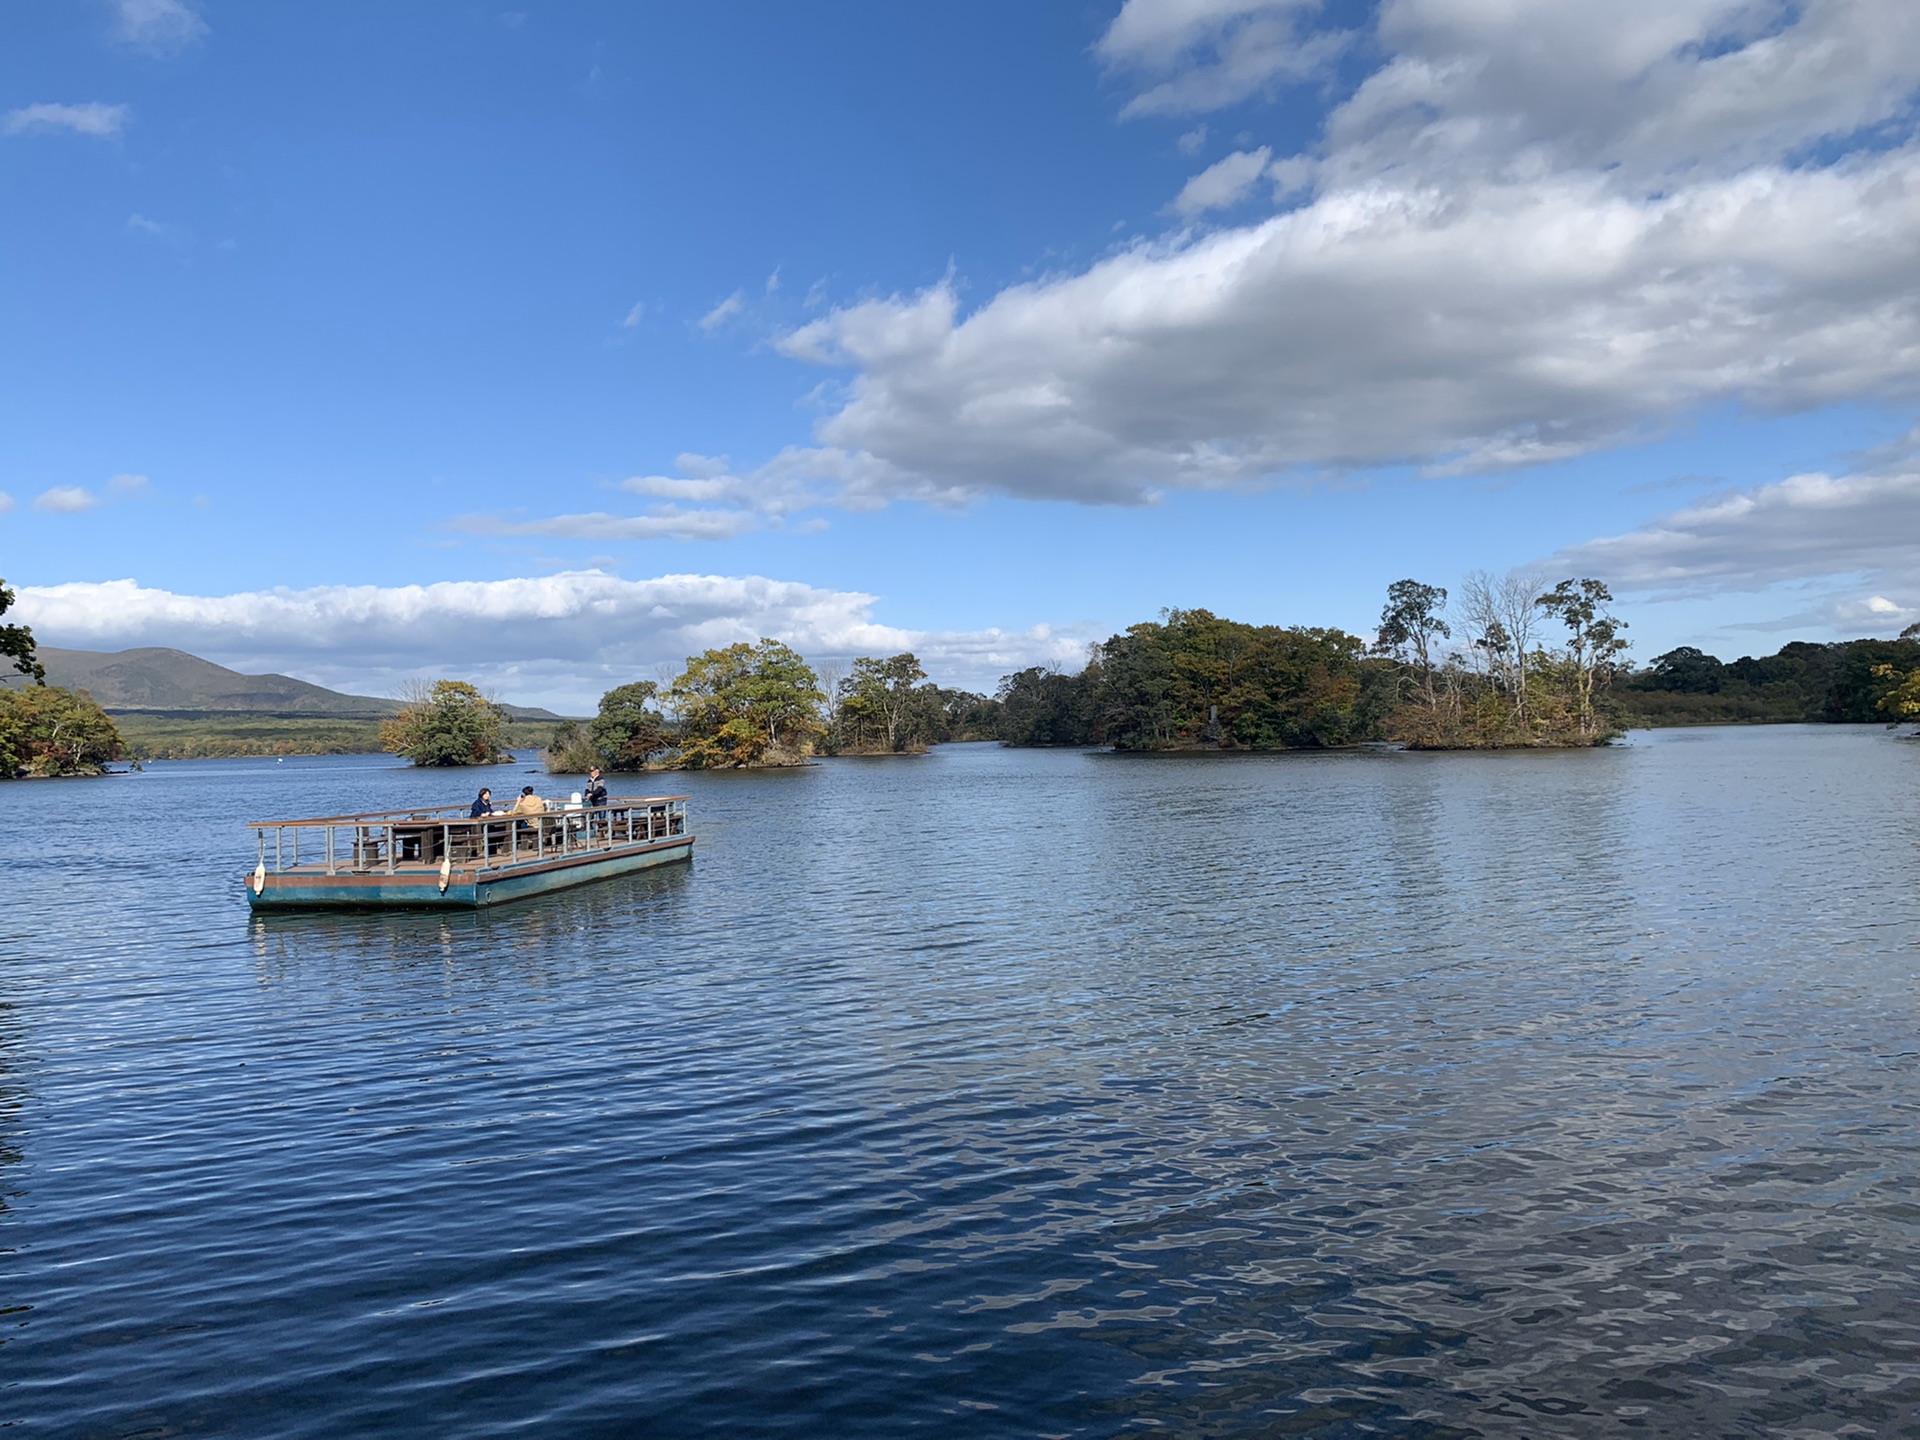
[445,858]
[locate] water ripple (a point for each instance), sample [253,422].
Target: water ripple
[1012,1093]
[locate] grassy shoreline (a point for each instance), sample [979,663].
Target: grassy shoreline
[150,736]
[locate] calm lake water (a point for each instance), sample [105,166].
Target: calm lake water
[989,1093]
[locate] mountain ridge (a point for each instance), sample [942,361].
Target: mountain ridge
[157,680]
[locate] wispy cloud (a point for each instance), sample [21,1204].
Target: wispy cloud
[1748,540]
[668,522]
[6,502]
[707,500]
[1198,55]
[559,639]
[635,315]
[77,499]
[138,224]
[723,312]
[65,500]
[1223,183]
[159,27]
[92,118]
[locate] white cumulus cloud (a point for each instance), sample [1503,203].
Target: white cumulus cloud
[558,639]
[1534,230]
[92,118]
[65,500]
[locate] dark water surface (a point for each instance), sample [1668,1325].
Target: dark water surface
[991,1093]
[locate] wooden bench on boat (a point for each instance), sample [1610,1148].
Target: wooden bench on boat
[445,857]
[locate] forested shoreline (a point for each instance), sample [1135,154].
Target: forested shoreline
[1502,663]
[1843,682]
[1511,662]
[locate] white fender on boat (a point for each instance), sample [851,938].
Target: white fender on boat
[259,879]
[446,872]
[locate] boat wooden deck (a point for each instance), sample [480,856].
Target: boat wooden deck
[443,857]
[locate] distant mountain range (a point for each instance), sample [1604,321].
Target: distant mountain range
[154,681]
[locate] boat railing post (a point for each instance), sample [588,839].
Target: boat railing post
[279,850]
[261,836]
[329,833]
[513,844]
[393,847]
[296,847]
[446,843]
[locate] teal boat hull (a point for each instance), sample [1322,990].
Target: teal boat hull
[461,888]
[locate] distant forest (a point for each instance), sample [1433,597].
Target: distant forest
[1803,682]
[1847,681]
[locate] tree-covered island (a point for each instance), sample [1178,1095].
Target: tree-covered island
[449,722]
[1534,670]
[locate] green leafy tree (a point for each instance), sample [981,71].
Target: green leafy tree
[1195,679]
[888,704]
[1687,671]
[16,642]
[1410,627]
[1864,672]
[570,750]
[1593,640]
[629,730]
[447,723]
[966,715]
[1902,699]
[746,705]
[1041,706]
[48,731]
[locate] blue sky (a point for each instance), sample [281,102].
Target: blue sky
[366,342]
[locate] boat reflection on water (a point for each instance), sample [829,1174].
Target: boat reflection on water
[471,944]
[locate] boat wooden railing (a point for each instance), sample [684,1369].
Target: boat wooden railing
[393,840]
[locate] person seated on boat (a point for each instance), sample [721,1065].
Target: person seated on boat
[483,805]
[529,803]
[596,792]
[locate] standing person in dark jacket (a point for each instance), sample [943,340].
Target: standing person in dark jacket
[596,791]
